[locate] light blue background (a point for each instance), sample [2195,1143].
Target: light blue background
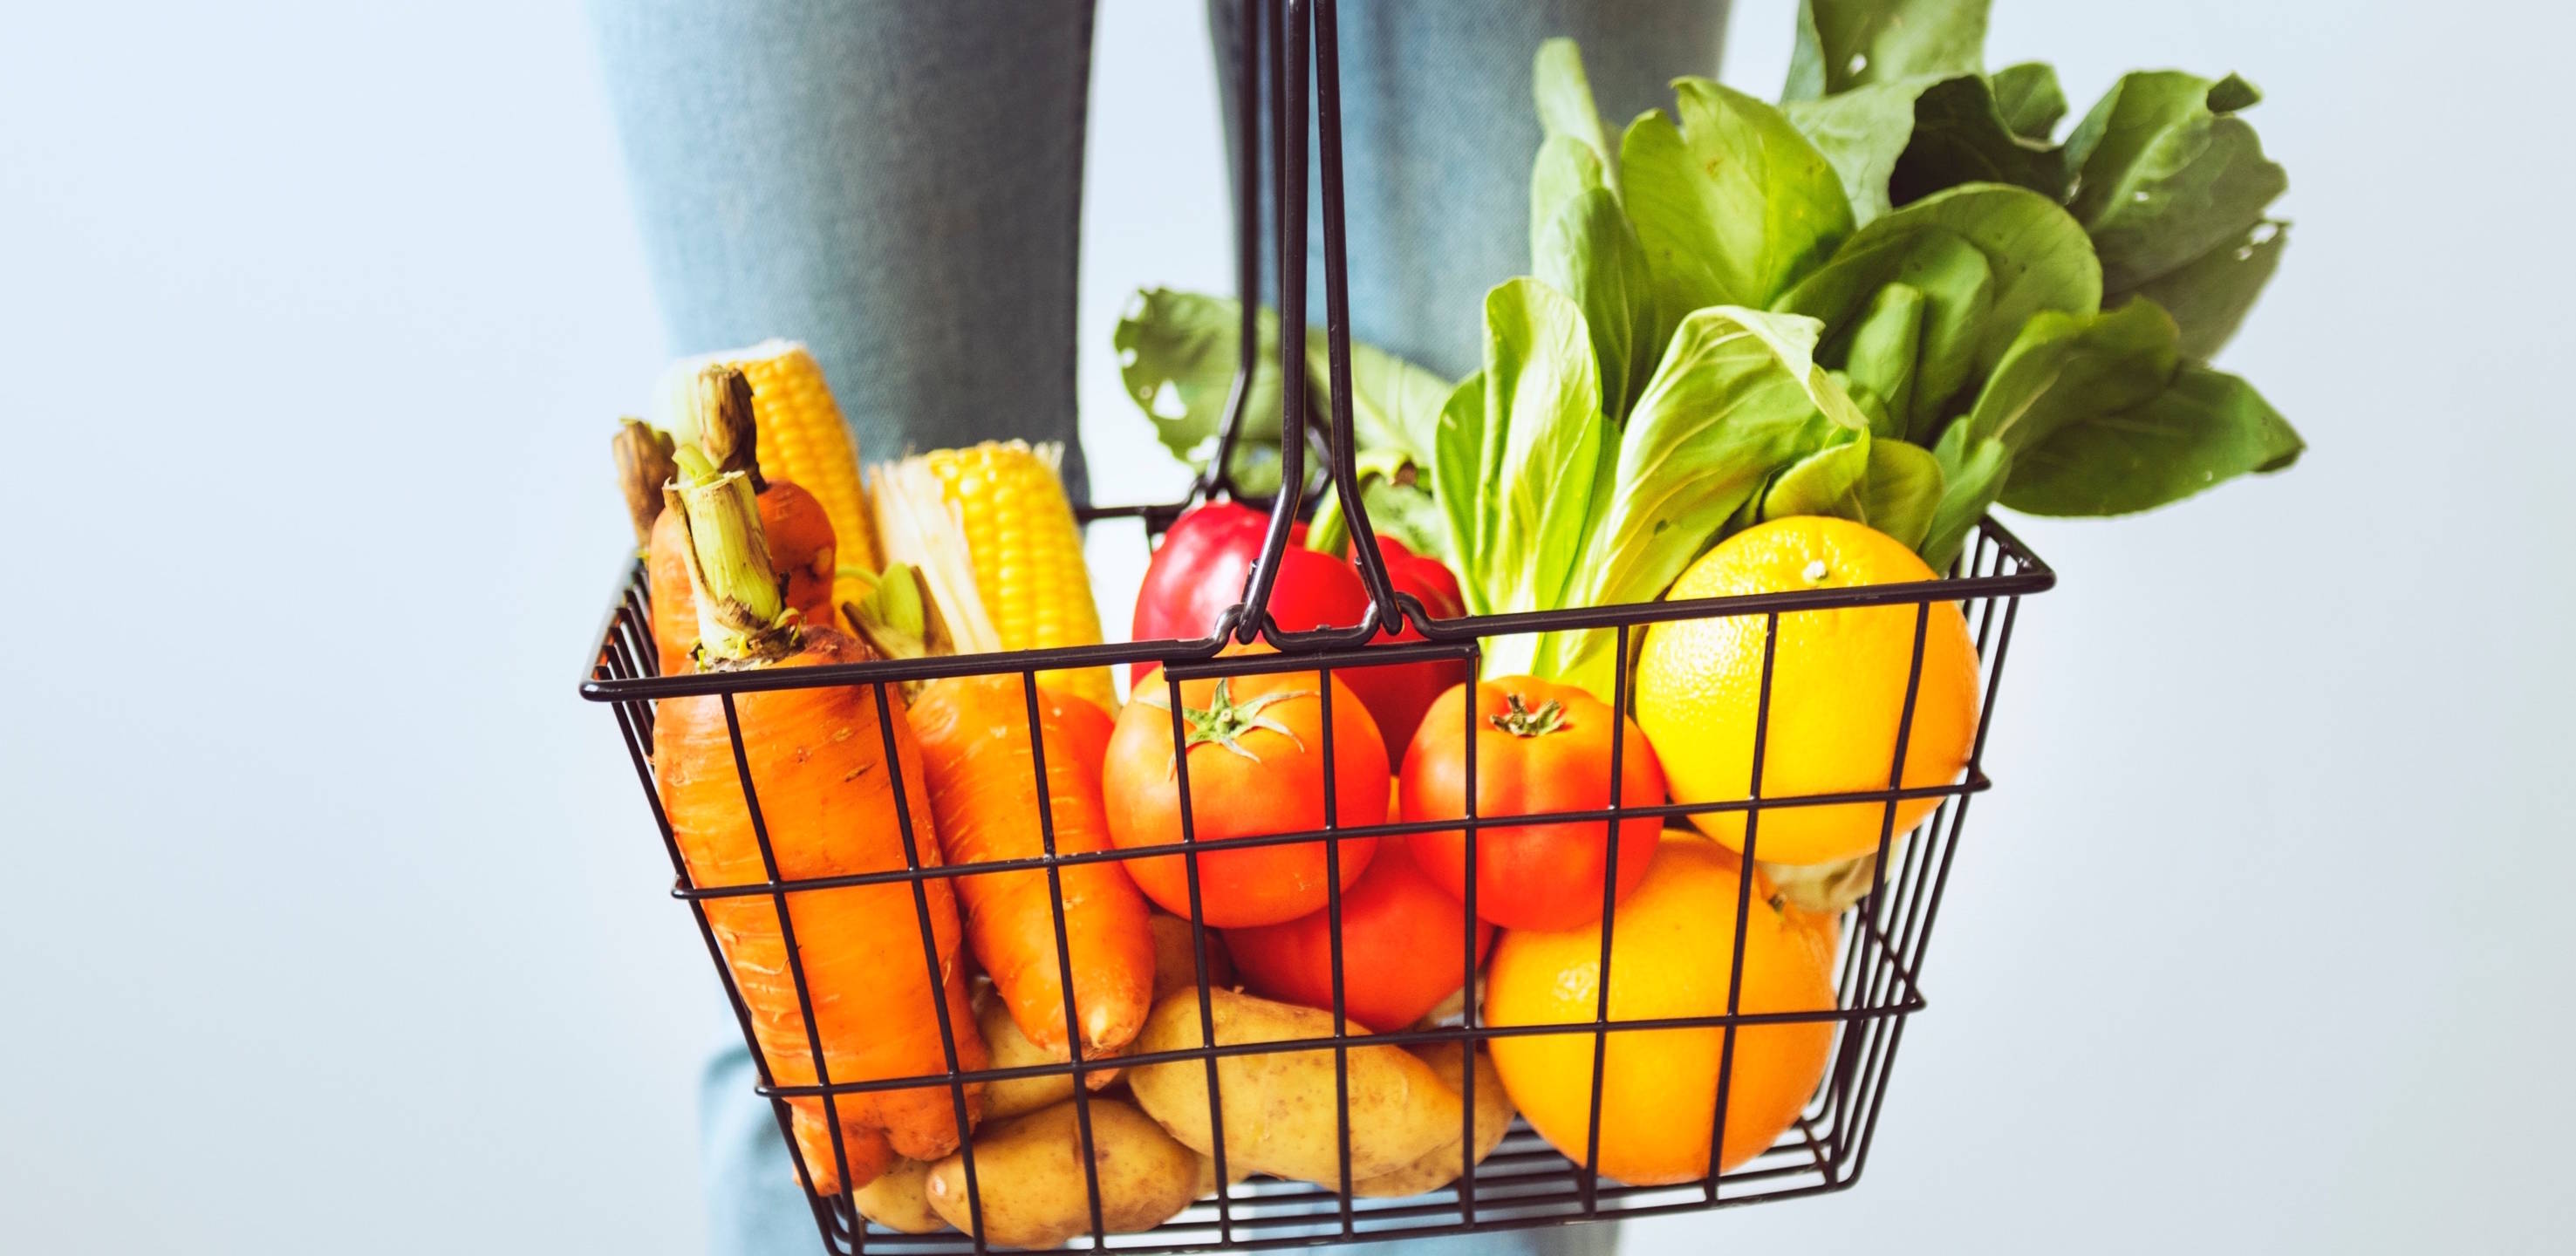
[334,923]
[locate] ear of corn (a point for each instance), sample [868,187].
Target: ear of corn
[994,538]
[803,440]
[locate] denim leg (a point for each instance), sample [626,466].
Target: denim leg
[895,183]
[1437,136]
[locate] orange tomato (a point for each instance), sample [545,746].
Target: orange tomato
[1540,747]
[1255,747]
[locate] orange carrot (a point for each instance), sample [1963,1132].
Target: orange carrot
[799,533]
[817,763]
[974,733]
[1086,727]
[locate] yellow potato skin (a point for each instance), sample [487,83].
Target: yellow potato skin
[1278,1106]
[1029,1175]
[896,1200]
[1440,1167]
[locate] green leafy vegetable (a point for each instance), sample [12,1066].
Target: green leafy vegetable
[1887,484]
[2039,257]
[1737,397]
[1957,286]
[1898,141]
[1457,476]
[1541,445]
[1565,168]
[1731,202]
[1972,474]
[2210,296]
[2167,174]
[2208,426]
[2101,415]
[1843,44]
[2065,366]
[2028,97]
[1177,354]
[1590,253]
[1564,96]
[1885,349]
[1395,405]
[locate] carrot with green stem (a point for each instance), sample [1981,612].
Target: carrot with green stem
[800,539]
[816,760]
[977,742]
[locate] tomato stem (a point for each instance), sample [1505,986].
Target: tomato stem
[1225,721]
[1521,721]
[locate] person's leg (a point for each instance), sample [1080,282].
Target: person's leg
[1437,137]
[1438,132]
[895,183]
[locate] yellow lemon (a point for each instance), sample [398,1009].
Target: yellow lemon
[1837,691]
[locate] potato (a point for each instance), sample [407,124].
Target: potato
[1029,1178]
[1279,1112]
[1176,957]
[896,1200]
[1440,1167]
[1012,1049]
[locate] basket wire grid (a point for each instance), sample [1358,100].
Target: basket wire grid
[1525,1182]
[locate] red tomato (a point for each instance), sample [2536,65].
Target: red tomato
[1402,938]
[1397,696]
[1540,747]
[1256,764]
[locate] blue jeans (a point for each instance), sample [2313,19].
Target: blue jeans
[897,183]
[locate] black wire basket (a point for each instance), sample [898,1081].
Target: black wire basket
[1525,1182]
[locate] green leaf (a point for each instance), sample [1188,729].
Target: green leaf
[1884,350]
[1176,355]
[2210,297]
[1564,169]
[1902,140]
[1395,405]
[2066,367]
[1861,133]
[1737,397]
[1843,44]
[1456,481]
[1887,484]
[1972,474]
[2166,173]
[2030,100]
[1408,512]
[1592,255]
[2207,427]
[1564,98]
[1957,283]
[1961,136]
[1731,202]
[2038,255]
[1542,440]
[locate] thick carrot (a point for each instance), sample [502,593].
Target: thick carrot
[817,761]
[799,534]
[1085,725]
[974,734]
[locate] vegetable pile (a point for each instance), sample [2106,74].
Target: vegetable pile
[1762,347]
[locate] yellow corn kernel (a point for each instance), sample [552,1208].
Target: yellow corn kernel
[1008,500]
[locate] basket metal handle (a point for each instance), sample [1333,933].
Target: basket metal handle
[1292,31]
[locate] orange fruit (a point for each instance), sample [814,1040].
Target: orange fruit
[1669,950]
[1837,691]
